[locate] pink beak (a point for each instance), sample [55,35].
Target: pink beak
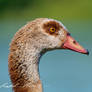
[71,44]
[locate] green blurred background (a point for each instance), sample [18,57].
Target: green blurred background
[60,71]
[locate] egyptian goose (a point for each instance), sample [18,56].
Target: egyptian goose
[29,44]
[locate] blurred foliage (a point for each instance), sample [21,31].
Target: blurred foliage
[11,4]
[68,9]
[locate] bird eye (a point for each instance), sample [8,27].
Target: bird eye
[52,29]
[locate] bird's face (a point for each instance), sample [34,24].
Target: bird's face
[55,33]
[56,36]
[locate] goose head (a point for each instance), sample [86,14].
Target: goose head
[52,34]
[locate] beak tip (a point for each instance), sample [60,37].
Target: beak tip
[87,53]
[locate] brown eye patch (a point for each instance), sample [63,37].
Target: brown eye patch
[52,27]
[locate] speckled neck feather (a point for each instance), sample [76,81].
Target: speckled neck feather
[23,61]
[24,73]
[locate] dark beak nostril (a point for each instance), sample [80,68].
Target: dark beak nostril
[74,42]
